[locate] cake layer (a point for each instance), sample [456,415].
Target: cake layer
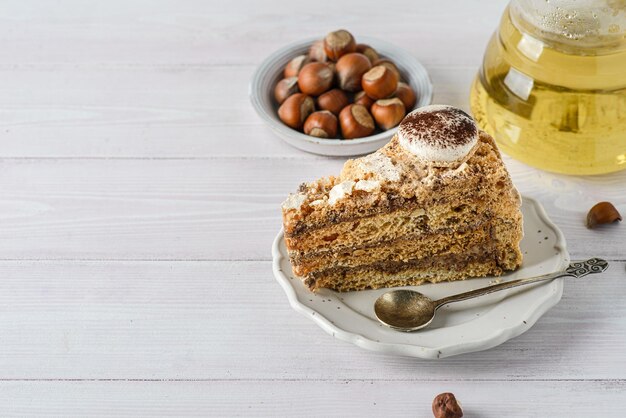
[413,273]
[412,220]
[403,248]
[390,203]
[402,236]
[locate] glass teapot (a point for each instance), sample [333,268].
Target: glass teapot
[552,86]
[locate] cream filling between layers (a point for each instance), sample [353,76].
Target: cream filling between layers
[374,277]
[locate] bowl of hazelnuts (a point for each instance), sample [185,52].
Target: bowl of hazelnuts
[334,96]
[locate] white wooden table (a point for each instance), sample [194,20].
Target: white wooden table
[139,196]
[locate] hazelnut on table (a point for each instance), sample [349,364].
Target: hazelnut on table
[445,405]
[602,213]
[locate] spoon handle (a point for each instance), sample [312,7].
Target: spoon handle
[580,269]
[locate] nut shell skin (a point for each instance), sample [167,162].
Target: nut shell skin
[294,66]
[285,88]
[356,122]
[602,213]
[379,82]
[445,405]
[389,64]
[363,99]
[339,43]
[388,112]
[321,124]
[294,111]
[368,51]
[317,53]
[350,69]
[315,78]
[333,100]
[405,93]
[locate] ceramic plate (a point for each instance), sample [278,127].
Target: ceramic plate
[270,72]
[459,328]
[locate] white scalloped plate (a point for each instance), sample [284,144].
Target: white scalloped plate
[270,72]
[459,328]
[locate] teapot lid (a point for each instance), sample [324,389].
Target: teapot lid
[598,25]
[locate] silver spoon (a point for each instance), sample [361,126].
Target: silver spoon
[408,310]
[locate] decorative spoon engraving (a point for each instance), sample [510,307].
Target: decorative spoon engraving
[408,310]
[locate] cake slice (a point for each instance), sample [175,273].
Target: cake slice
[436,203]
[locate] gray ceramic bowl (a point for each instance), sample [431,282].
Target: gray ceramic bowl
[270,72]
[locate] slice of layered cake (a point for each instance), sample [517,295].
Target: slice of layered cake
[436,203]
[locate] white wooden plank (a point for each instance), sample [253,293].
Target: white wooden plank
[232,321]
[183,111]
[310,399]
[146,148]
[234,32]
[217,209]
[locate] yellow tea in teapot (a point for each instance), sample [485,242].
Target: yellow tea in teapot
[557,100]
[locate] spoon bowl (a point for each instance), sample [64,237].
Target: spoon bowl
[405,310]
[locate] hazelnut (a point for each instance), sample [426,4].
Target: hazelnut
[339,43]
[368,51]
[405,93]
[322,124]
[333,100]
[445,405]
[350,69]
[379,82]
[356,122]
[294,111]
[294,66]
[315,78]
[602,213]
[389,64]
[388,112]
[285,88]
[363,99]
[317,53]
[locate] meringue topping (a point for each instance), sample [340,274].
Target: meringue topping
[438,134]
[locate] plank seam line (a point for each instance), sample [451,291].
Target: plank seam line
[359,380]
